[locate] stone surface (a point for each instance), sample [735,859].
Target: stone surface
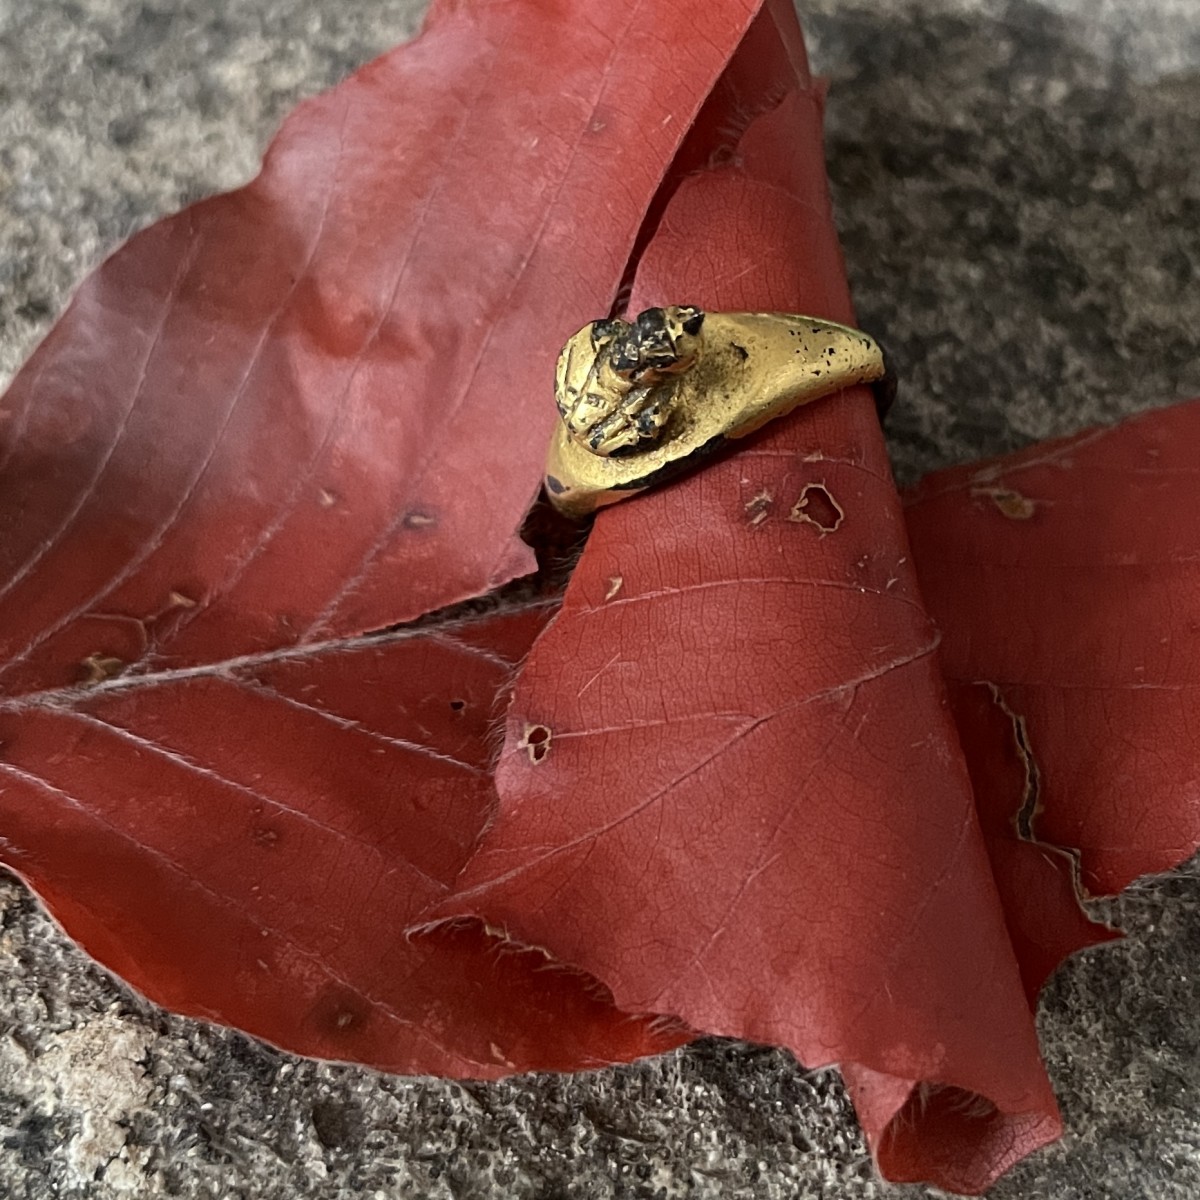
[1018,185]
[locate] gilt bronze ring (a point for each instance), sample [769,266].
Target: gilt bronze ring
[643,401]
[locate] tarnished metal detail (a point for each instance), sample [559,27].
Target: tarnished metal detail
[643,401]
[613,380]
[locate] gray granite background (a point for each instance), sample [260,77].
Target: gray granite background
[1018,185]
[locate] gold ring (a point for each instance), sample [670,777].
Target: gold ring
[643,401]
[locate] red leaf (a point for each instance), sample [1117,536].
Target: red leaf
[315,406]
[248,843]
[318,405]
[747,805]
[1065,580]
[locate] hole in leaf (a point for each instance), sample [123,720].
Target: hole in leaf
[458,705]
[818,508]
[536,742]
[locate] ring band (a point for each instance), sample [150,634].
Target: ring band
[642,402]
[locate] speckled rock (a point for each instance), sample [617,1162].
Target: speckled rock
[1018,187]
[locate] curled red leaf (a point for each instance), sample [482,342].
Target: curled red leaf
[753,812]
